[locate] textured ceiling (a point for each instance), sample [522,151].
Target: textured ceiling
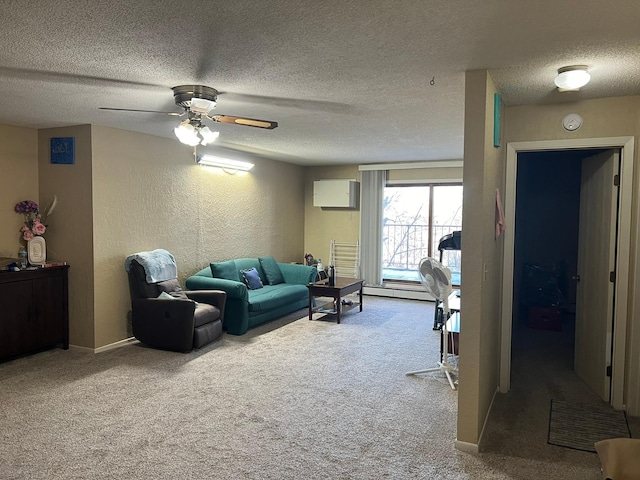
[349,82]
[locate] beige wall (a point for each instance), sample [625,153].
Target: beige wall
[425,174]
[70,233]
[482,257]
[149,193]
[343,225]
[129,192]
[321,225]
[606,117]
[481,260]
[19,167]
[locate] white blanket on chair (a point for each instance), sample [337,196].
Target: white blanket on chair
[159,265]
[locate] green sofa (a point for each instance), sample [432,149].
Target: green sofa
[284,290]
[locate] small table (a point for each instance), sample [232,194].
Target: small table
[343,286]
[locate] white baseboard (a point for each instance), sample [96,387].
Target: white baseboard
[78,348]
[111,346]
[472,447]
[104,348]
[486,418]
[467,447]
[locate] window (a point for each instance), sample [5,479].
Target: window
[415,218]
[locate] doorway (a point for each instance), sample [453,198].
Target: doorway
[552,189]
[623,241]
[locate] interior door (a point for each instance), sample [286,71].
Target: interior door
[596,259]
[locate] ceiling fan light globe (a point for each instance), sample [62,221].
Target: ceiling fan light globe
[208,136]
[192,142]
[187,134]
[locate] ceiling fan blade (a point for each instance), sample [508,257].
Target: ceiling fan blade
[298,103]
[175,114]
[249,122]
[72,79]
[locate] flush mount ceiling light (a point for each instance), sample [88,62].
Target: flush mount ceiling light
[226,164]
[572,78]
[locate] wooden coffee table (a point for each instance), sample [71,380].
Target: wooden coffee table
[343,286]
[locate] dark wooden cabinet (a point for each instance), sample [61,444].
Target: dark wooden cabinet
[34,310]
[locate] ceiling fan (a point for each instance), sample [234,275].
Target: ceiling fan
[197,102]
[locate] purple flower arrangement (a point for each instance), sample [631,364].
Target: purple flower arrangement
[32,224]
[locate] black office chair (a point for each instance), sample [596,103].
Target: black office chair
[451,241]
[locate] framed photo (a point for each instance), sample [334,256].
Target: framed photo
[63,150]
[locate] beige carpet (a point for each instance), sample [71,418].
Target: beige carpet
[293,399]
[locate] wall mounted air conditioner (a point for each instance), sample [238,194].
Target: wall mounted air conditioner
[335,193]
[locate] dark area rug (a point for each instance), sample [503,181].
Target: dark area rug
[579,426]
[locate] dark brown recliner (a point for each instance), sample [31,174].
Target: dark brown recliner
[178,324]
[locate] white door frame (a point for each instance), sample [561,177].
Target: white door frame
[626,144]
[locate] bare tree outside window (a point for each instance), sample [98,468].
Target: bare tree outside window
[415,218]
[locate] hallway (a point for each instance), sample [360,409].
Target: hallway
[542,370]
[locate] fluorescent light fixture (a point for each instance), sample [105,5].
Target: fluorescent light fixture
[224,163]
[193,135]
[572,78]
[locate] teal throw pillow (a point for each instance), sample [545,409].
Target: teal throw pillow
[252,279]
[271,270]
[226,270]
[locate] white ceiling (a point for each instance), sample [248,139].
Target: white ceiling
[362,81]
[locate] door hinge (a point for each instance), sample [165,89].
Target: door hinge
[608,370]
[616,180]
[612,277]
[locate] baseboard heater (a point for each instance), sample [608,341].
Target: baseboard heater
[396,292]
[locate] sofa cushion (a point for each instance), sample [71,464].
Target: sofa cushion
[271,270]
[275,296]
[226,270]
[247,264]
[252,279]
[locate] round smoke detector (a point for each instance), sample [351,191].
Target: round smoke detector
[572,122]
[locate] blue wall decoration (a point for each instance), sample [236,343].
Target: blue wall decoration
[63,150]
[497,119]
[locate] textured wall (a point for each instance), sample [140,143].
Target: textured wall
[19,167]
[149,193]
[70,232]
[606,117]
[481,260]
[483,172]
[343,225]
[325,224]
[425,174]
